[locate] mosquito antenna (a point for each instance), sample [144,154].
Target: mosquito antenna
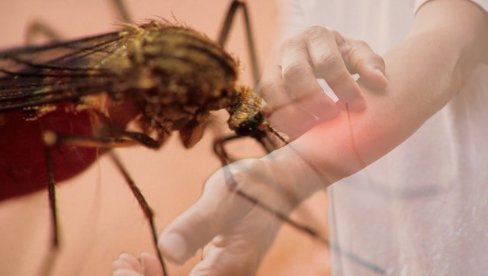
[122,11]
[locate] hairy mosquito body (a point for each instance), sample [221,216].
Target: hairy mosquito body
[159,77]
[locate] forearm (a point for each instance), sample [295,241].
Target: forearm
[425,71]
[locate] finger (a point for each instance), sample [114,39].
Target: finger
[130,261]
[150,265]
[126,272]
[293,119]
[217,209]
[360,58]
[225,261]
[119,264]
[284,114]
[235,258]
[328,64]
[299,77]
[301,84]
[240,251]
[271,89]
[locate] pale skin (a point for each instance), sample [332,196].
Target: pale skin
[394,96]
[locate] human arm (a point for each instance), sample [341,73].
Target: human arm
[445,44]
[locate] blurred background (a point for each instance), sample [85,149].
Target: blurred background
[99,216]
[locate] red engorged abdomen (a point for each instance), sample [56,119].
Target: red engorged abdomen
[22,159]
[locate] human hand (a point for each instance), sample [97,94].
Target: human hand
[128,265]
[295,100]
[238,232]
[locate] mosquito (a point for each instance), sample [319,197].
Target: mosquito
[65,103]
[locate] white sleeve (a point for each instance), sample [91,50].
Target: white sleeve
[482,3]
[293,17]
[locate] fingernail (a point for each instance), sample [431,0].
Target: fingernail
[174,246]
[381,79]
[118,264]
[380,74]
[142,259]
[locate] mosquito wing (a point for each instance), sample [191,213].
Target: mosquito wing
[37,75]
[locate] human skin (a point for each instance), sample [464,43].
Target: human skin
[446,42]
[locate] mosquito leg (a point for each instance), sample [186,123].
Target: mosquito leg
[219,150]
[143,203]
[52,139]
[122,138]
[225,158]
[48,262]
[51,186]
[219,147]
[267,144]
[40,29]
[122,11]
[225,30]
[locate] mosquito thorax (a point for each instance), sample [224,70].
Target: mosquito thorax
[177,64]
[177,75]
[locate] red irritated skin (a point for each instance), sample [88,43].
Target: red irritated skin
[22,159]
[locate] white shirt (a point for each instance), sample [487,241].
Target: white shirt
[423,208]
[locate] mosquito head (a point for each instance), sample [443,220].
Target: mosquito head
[253,126]
[246,116]
[245,112]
